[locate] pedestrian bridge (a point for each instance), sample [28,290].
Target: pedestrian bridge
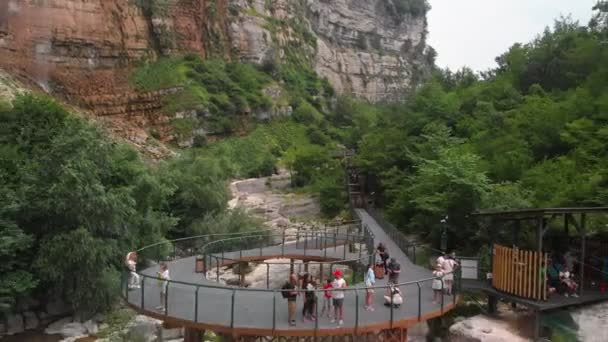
[197,301]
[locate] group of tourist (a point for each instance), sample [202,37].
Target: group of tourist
[444,276]
[559,274]
[162,277]
[333,296]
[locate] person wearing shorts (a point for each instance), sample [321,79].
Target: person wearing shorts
[327,298]
[338,297]
[163,283]
[370,280]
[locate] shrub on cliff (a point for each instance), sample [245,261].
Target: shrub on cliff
[216,90]
[74,202]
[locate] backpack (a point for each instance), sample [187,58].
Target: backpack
[285,293]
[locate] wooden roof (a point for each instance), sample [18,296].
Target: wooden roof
[534,213]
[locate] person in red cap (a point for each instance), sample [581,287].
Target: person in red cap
[338,297]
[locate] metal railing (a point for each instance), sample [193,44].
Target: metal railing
[416,298]
[221,305]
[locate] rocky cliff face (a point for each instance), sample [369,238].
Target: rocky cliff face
[362,46]
[84,50]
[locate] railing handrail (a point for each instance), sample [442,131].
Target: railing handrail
[363,232]
[253,232]
[349,288]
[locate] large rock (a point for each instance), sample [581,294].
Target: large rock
[592,321]
[142,327]
[91,327]
[483,329]
[74,338]
[31,320]
[55,327]
[14,324]
[171,334]
[73,329]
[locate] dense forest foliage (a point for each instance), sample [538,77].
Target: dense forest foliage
[73,202]
[531,133]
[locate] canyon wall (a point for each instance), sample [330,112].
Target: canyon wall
[83,50]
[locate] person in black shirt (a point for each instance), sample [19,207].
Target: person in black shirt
[289,292]
[394,269]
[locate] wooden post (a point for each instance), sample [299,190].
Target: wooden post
[193,335]
[582,261]
[242,267]
[291,266]
[539,234]
[492,301]
[516,230]
[537,325]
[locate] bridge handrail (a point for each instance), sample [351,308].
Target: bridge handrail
[317,293]
[263,235]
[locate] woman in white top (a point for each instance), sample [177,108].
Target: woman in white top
[438,283]
[370,280]
[131,263]
[338,297]
[448,266]
[163,283]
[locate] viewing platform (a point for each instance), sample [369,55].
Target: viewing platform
[198,302]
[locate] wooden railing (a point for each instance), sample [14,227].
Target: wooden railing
[520,272]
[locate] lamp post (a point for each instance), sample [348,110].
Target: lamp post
[444,234]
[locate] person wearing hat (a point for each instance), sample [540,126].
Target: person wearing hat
[338,297]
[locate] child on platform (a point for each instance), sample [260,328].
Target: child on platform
[327,299]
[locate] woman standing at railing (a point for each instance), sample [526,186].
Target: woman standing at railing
[383,252]
[163,283]
[438,283]
[448,266]
[308,284]
[370,280]
[131,263]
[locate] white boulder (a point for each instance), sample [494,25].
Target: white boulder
[73,329]
[14,324]
[55,327]
[142,327]
[482,328]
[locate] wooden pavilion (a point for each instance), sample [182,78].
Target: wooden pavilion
[519,274]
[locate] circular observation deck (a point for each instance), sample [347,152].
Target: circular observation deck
[199,301]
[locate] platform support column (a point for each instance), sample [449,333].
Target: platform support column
[537,325]
[291,266]
[492,303]
[583,234]
[320,274]
[393,335]
[193,335]
[242,267]
[306,266]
